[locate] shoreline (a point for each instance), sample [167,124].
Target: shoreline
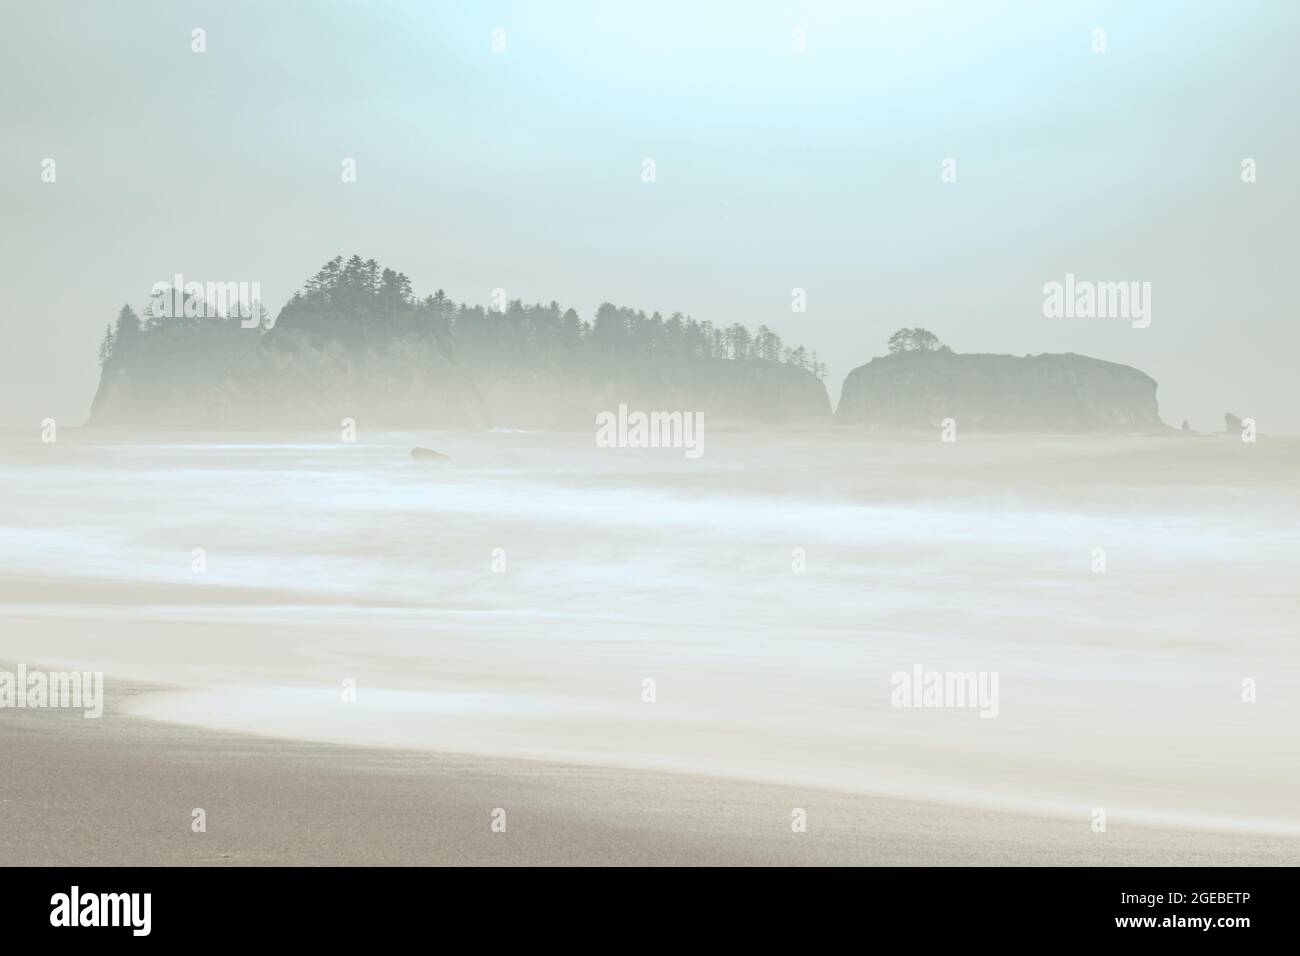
[121,790]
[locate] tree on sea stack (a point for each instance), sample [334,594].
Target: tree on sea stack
[899,341]
[106,345]
[925,341]
[915,340]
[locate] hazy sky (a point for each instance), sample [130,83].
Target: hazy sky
[775,170]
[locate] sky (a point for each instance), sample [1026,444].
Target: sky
[521,168]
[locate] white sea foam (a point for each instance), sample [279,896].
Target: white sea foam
[327,564]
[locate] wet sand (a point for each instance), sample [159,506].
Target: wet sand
[121,791]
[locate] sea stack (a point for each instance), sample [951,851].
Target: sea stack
[999,393]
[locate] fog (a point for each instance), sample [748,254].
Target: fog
[522,170]
[515,603]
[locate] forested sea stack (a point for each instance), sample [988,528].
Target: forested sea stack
[356,343]
[920,383]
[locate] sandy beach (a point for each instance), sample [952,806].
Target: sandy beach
[120,791]
[342,657]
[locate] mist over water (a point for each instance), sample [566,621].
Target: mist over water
[328,561]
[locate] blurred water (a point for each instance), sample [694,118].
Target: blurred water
[328,561]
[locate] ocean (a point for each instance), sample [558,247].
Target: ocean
[750,613]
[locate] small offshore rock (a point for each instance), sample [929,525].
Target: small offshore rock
[428,454]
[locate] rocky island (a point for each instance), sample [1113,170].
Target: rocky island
[920,383]
[356,343]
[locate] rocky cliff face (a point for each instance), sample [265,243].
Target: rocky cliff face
[286,381]
[999,393]
[746,392]
[290,380]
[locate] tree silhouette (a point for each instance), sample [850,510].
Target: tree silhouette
[925,341]
[915,340]
[900,341]
[106,345]
[128,327]
[353,309]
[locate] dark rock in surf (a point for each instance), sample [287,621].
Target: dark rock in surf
[428,454]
